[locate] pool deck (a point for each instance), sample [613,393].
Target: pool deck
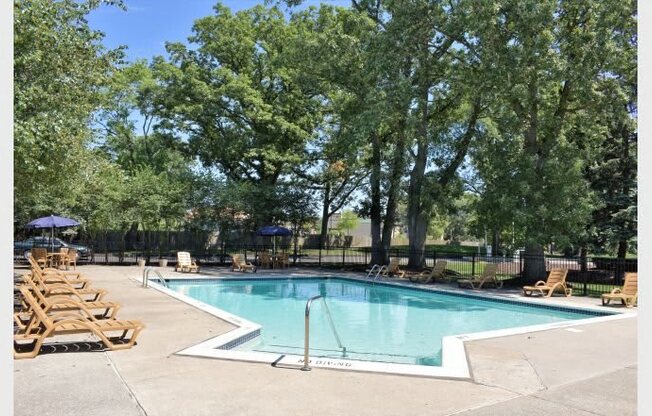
[588,370]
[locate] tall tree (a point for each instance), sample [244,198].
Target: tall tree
[547,56]
[239,97]
[332,164]
[60,67]
[613,172]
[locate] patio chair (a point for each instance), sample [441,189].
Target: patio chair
[283,260]
[429,275]
[240,265]
[40,255]
[70,259]
[556,282]
[42,326]
[266,260]
[627,295]
[488,277]
[392,269]
[185,263]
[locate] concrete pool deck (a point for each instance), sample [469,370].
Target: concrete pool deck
[587,371]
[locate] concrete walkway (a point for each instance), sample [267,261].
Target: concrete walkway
[590,370]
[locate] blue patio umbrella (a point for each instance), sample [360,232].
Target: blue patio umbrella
[52,222]
[273,231]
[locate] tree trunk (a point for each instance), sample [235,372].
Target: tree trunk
[325,216]
[623,245]
[393,186]
[583,263]
[417,218]
[378,254]
[535,263]
[495,242]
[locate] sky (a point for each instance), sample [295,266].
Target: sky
[148,24]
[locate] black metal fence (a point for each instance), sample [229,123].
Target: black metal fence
[587,276]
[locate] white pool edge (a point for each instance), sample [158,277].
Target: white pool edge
[454,358]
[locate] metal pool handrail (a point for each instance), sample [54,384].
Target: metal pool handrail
[375,268]
[306,340]
[158,274]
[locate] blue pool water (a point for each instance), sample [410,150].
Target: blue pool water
[375,322]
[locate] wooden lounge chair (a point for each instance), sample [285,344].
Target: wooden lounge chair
[628,294]
[42,326]
[70,275]
[185,263]
[240,265]
[556,282]
[392,269]
[428,275]
[62,287]
[40,255]
[49,275]
[487,278]
[63,303]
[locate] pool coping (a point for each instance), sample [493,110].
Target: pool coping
[455,364]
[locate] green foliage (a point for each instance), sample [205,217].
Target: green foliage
[383,102]
[348,221]
[60,66]
[238,95]
[548,60]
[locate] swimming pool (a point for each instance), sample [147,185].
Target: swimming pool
[375,322]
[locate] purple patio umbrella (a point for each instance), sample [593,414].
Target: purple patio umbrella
[52,222]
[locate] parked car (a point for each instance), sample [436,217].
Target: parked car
[22,249]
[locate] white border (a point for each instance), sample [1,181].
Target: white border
[454,359]
[7,205]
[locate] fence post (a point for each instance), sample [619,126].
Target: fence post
[473,265]
[320,255]
[365,255]
[343,254]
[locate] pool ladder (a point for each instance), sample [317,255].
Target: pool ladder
[375,268]
[158,274]
[306,340]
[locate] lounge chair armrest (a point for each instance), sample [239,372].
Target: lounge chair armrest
[540,283]
[616,291]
